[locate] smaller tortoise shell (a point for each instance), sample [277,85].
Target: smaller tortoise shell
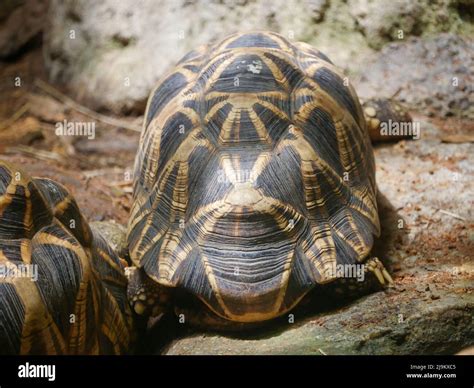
[77,304]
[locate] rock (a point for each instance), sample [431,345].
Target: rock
[433,75]
[384,21]
[110,54]
[114,234]
[426,206]
[374,325]
[29,15]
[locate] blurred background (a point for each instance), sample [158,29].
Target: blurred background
[94,63]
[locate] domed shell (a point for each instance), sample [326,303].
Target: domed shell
[254,176]
[62,288]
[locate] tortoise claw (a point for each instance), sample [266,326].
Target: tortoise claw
[379,276]
[375,266]
[387,276]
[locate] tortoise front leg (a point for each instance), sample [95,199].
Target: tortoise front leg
[147,298]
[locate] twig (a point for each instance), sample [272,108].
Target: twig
[82,109]
[24,108]
[95,173]
[120,183]
[397,92]
[322,352]
[39,154]
[452,215]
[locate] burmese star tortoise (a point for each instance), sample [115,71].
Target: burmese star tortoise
[254,182]
[62,288]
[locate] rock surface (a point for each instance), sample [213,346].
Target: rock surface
[384,21]
[374,325]
[20,21]
[111,54]
[427,215]
[435,76]
[115,235]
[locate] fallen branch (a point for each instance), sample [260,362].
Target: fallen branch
[15,116]
[36,153]
[82,109]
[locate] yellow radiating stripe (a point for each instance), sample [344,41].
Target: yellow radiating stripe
[38,326]
[180,190]
[153,140]
[142,248]
[5,200]
[114,325]
[306,151]
[46,238]
[168,248]
[262,161]
[369,200]
[172,242]
[237,169]
[189,77]
[152,145]
[3,259]
[181,156]
[251,98]
[61,206]
[322,99]
[218,70]
[321,234]
[210,114]
[105,256]
[226,129]
[222,44]
[10,192]
[274,109]
[28,219]
[137,214]
[25,249]
[259,126]
[357,244]
[344,148]
[319,99]
[284,282]
[311,186]
[159,192]
[314,67]
[78,333]
[276,72]
[273,94]
[228,168]
[284,45]
[324,257]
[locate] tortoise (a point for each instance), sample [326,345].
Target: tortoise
[254,183]
[62,288]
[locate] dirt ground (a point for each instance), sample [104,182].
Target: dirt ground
[98,172]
